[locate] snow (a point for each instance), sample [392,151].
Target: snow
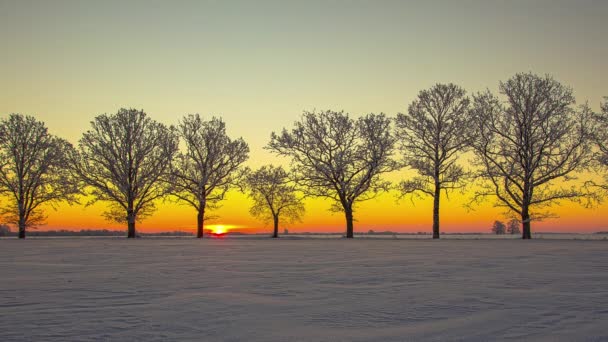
[237,289]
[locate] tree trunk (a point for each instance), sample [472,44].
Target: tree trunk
[21,223]
[130,224]
[21,227]
[436,210]
[275,233]
[348,212]
[200,220]
[525,223]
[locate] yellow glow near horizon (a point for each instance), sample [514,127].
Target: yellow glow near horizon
[218,229]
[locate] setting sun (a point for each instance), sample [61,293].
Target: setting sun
[218,229]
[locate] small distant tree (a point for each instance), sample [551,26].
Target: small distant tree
[5,230]
[529,146]
[34,171]
[432,135]
[513,227]
[498,228]
[124,159]
[274,196]
[209,167]
[337,157]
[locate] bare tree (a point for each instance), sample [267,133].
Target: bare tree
[432,135]
[337,157]
[513,227]
[530,146]
[499,228]
[33,171]
[274,196]
[124,158]
[5,230]
[209,168]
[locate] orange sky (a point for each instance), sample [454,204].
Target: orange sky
[382,213]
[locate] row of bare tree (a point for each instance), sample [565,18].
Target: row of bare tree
[526,146]
[512,227]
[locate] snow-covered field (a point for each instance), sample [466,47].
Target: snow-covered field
[73,289]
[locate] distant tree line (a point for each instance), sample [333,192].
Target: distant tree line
[527,144]
[6,231]
[499,228]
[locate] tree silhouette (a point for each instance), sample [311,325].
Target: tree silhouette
[513,227]
[124,159]
[205,172]
[530,146]
[5,230]
[337,157]
[33,171]
[498,228]
[274,196]
[431,136]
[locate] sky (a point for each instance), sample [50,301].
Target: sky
[259,64]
